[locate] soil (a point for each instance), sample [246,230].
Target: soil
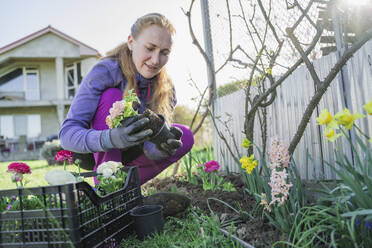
[256,231]
[155,122]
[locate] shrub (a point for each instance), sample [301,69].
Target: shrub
[49,151]
[230,88]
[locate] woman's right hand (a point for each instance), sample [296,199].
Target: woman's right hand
[130,134]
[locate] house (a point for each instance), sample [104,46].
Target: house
[39,76]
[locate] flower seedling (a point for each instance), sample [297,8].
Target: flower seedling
[212,181]
[64,156]
[110,177]
[121,110]
[18,170]
[56,177]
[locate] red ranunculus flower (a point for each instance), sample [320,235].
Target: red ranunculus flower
[20,168]
[64,155]
[211,166]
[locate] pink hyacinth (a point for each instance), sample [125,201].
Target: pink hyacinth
[278,153]
[20,168]
[64,155]
[279,158]
[211,166]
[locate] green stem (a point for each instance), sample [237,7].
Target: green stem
[64,164]
[213,181]
[361,132]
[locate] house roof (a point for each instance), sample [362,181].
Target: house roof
[87,49]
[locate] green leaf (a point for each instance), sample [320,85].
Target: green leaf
[358,212]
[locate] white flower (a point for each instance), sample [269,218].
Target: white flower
[56,177]
[109,168]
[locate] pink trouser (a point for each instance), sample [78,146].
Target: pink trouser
[148,169]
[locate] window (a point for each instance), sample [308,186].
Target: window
[21,83]
[32,85]
[6,125]
[20,125]
[12,126]
[73,79]
[33,126]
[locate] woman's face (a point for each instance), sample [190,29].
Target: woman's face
[150,50]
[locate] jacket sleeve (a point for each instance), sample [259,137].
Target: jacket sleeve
[75,134]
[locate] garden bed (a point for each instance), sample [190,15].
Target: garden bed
[254,230]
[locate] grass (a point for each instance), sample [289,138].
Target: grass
[38,168]
[194,230]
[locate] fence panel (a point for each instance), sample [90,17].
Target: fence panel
[284,115]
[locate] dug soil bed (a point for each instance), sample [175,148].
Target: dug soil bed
[256,231]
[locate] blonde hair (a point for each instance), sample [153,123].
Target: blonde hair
[161,99]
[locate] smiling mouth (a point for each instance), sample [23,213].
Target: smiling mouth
[153,68]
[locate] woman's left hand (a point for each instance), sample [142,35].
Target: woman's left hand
[166,149]
[171,146]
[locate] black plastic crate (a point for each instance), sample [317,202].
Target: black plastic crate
[70,215]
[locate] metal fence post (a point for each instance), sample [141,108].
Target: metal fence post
[208,47]
[209,51]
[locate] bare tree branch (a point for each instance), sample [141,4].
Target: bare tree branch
[230,28]
[287,73]
[200,102]
[304,57]
[324,85]
[268,21]
[209,67]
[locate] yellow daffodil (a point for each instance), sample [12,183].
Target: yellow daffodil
[346,119]
[331,135]
[368,107]
[325,117]
[246,143]
[248,163]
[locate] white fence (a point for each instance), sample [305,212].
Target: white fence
[284,115]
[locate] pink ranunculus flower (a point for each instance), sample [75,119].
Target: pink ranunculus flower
[211,166]
[117,109]
[20,168]
[64,155]
[109,121]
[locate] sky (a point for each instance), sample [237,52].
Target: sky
[103,24]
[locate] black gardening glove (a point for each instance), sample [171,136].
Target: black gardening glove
[132,132]
[172,145]
[167,149]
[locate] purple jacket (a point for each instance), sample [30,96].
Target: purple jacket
[75,134]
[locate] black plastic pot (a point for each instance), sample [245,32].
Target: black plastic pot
[148,219]
[163,134]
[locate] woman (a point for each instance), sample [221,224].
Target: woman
[136,64]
